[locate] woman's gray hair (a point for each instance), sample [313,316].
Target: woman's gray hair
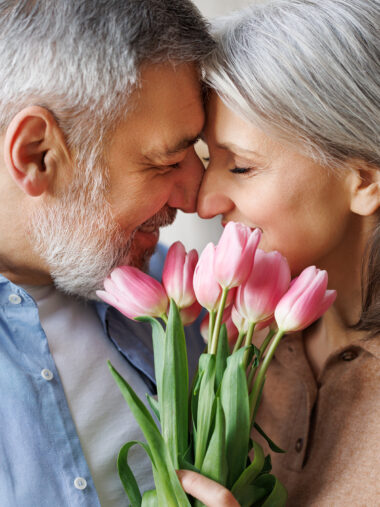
[306,72]
[81,58]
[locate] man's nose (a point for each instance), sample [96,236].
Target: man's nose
[185,191]
[213,198]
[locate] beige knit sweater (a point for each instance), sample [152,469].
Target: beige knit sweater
[330,427]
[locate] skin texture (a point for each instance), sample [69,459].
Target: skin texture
[151,169]
[273,182]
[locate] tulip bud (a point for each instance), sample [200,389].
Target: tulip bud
[190,314]
[177,275]
[134,293]
[306,300]
[235,253]
[206,287]
[240,322]
[268,281]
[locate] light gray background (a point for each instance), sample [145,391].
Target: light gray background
[193,231]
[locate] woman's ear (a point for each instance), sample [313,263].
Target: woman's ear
[32,148]
[365,187]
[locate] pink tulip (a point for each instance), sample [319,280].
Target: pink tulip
[240,322]
[134,293]
[190,314]
[268,281]
[235,253]
[177,275]
[265,323]
[306,300]
[206,287]
[232,331]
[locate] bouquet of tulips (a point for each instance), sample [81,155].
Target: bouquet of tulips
[208,427]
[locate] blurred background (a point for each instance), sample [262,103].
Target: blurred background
[193,231]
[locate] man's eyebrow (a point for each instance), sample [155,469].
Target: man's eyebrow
[158,154]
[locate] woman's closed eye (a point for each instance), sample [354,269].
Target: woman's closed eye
[242,170]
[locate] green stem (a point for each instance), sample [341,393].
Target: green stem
[239,341]
[265,343]
[164,317]
[211,325]
[248,338]
[263,347]
[248,341]
[218,323]
[259,381]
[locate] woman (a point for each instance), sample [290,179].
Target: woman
[294,140]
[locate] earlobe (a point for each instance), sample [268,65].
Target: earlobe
[365,188]
[28,141]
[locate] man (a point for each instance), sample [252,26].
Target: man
[100,106]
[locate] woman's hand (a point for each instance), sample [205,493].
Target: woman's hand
[207,491]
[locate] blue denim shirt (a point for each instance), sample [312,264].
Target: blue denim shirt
[41,460]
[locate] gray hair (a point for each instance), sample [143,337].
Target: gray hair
[81,58]
[306,72]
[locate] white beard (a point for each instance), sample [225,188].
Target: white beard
[80,241]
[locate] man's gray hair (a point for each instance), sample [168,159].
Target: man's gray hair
[81,58]
[305,71]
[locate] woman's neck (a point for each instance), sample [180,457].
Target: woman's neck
[334,330]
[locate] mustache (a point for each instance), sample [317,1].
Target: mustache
[164,217]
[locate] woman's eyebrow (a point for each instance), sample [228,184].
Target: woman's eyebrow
[235,148]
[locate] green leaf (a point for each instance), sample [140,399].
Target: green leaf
[195,397]
[234,397]
[250,495]
[154,405]
[215,464]
[169,490]
[277,494]
[150,499]
[184,464]
[271,444]
[221,356]
[126,475]
[175,387]
[158,338]
[251,472]
[267,468]
[207,363]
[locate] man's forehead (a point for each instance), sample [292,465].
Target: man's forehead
[167,150]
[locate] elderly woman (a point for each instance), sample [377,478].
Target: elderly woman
[294,140]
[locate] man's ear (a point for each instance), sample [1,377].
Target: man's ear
[365,187]
[32,149]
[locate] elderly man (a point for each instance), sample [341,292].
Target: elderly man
[100,106]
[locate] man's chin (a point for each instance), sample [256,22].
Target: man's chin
[141,251]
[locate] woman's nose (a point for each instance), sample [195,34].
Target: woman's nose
[213,196]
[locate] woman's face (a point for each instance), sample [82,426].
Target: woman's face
[302,208]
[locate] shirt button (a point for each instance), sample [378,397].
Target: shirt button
[80,483]
[299,445]
[348,355]
[47,374]
[14,299]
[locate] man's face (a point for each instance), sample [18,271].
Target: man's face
[151,170]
